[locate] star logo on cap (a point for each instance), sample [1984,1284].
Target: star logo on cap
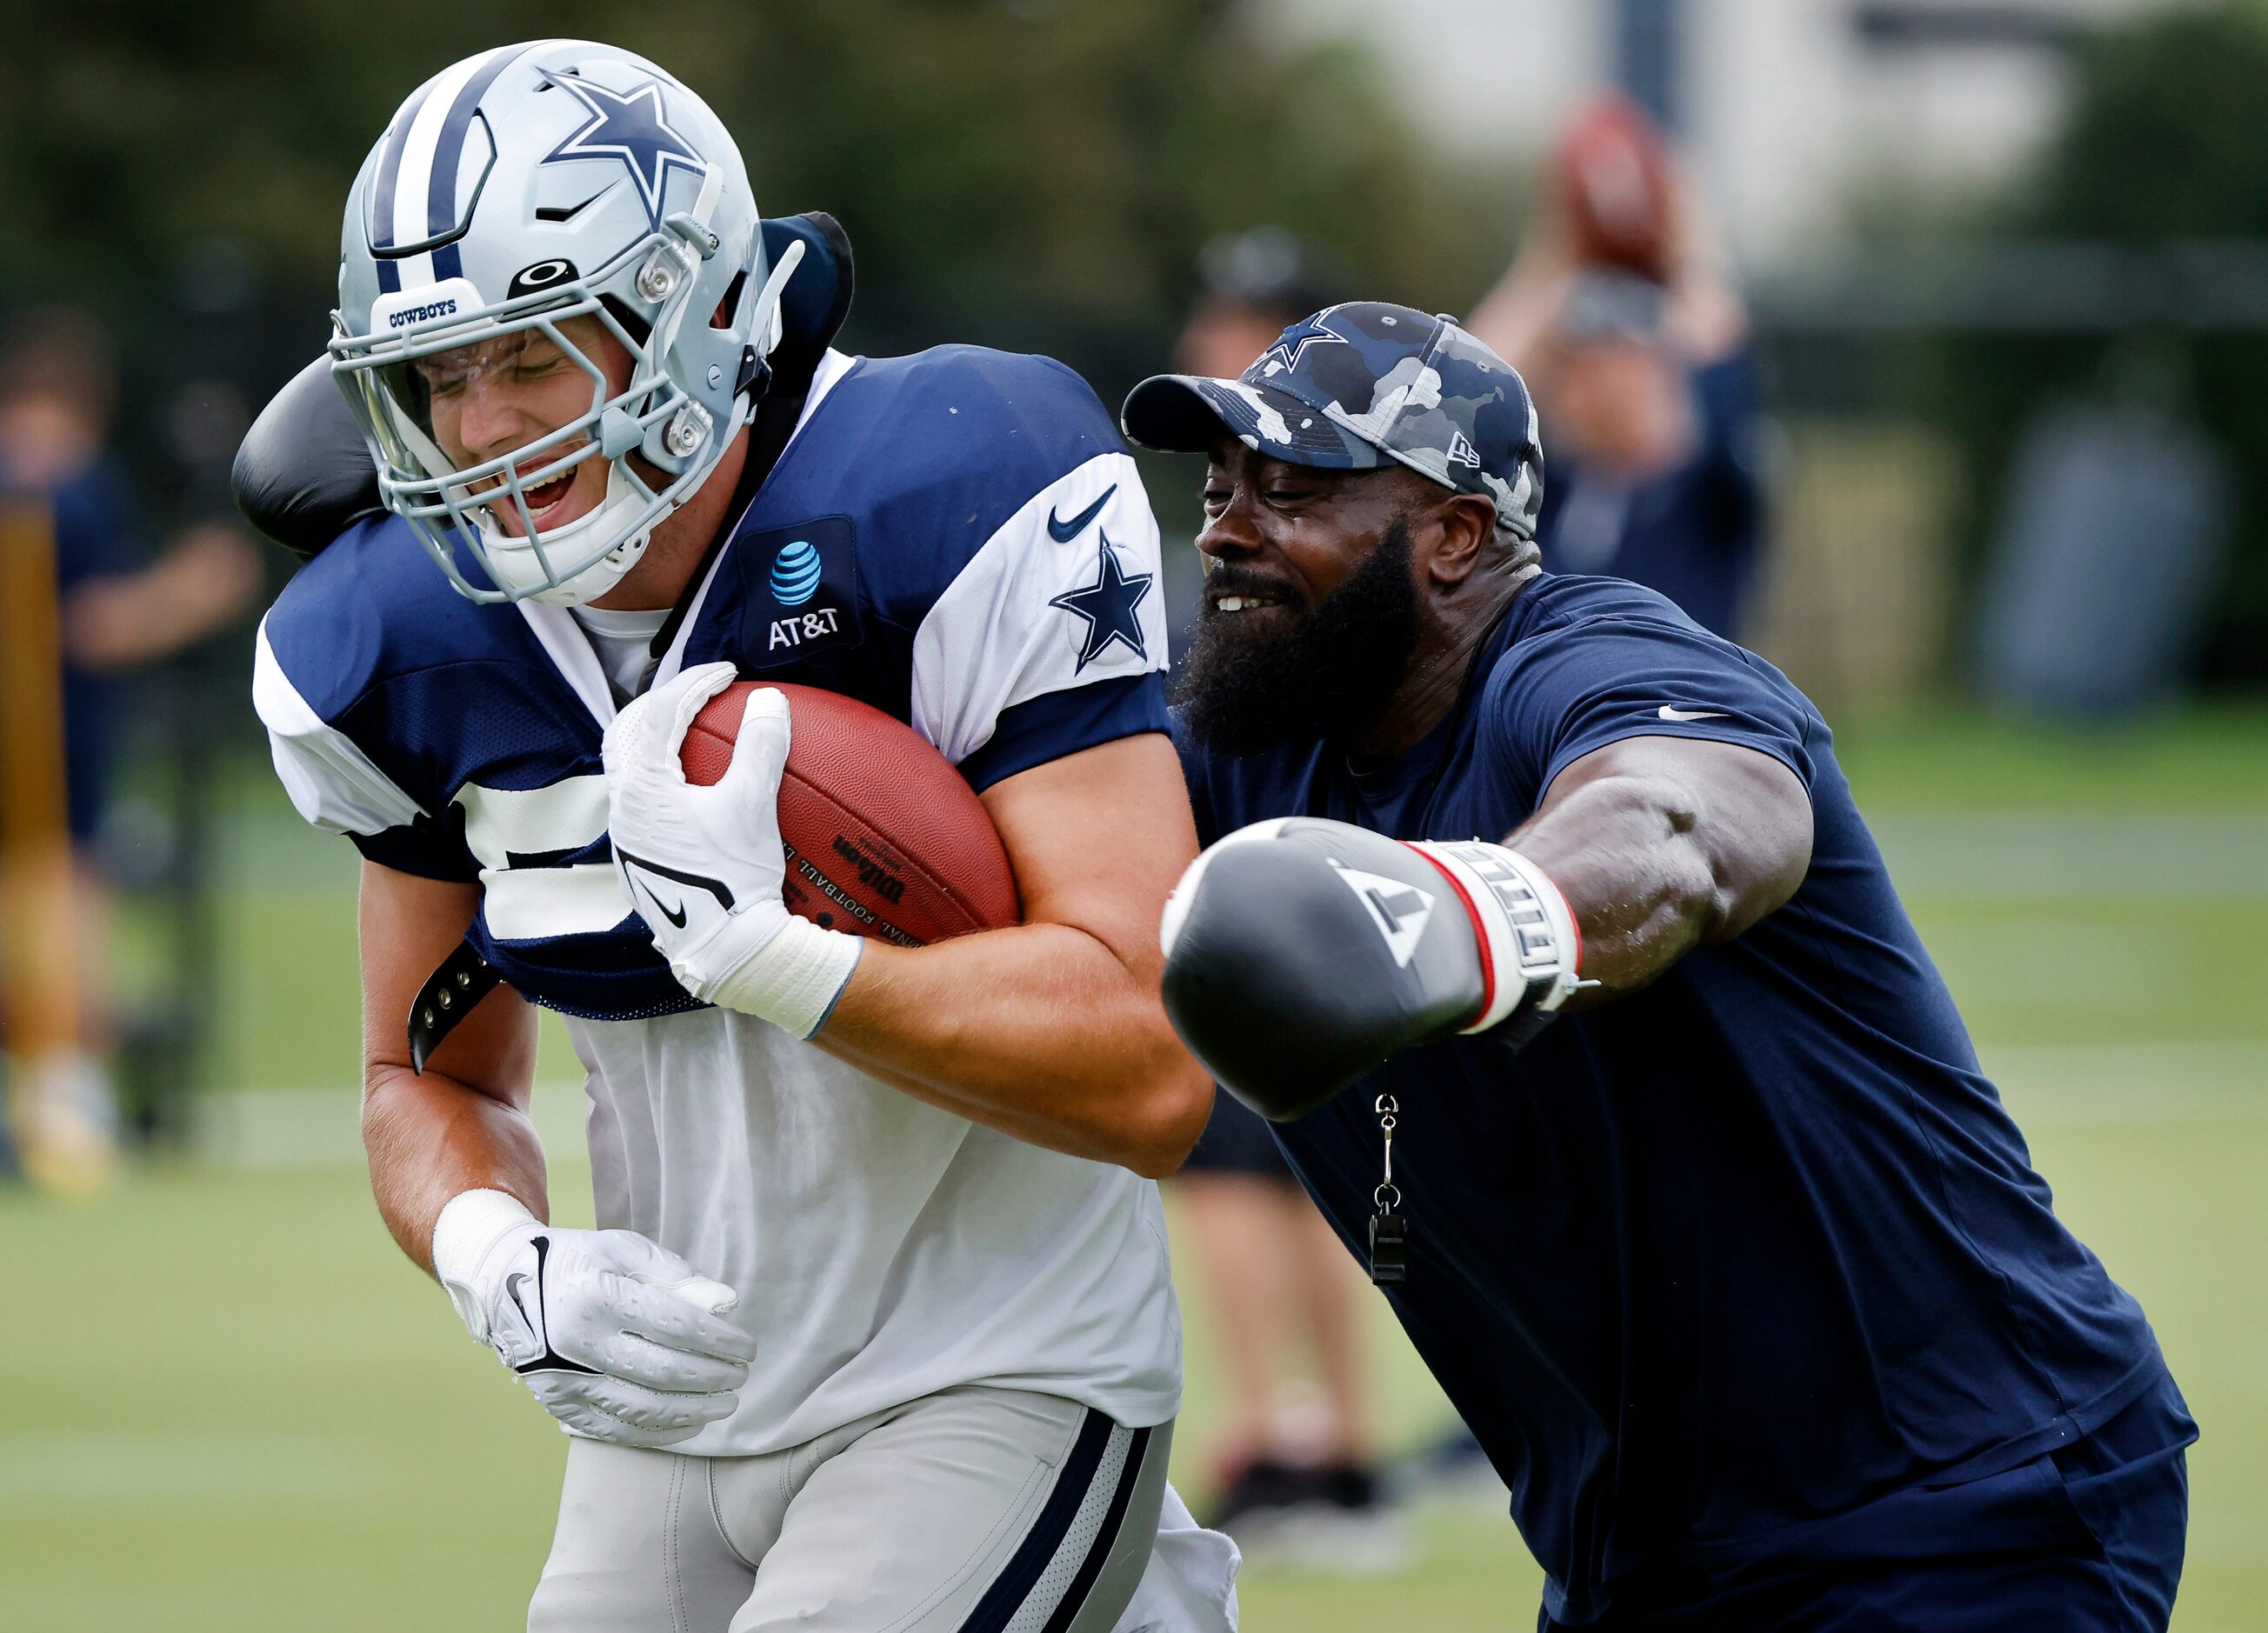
[632,126]
[1293,345]
[1109,606]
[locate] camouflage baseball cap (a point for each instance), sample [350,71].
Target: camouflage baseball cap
[1359,384]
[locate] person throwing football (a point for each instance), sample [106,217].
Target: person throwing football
[878,1330]
[1543,923]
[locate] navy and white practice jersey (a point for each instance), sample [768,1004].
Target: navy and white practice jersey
[1752,1264]
[957,538]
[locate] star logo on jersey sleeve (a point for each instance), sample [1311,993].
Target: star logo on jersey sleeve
[1110,606]
[632,127]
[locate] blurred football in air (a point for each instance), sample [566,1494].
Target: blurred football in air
[1616,187]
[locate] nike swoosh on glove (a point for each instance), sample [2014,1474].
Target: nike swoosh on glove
[704,866]
[619,1338]
[1301,953]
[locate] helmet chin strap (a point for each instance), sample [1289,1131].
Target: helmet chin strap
[765,323]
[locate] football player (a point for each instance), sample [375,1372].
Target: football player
[1741,1275]
[878,1331]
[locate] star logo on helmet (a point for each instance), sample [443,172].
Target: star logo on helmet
[631,126]
[1291,345]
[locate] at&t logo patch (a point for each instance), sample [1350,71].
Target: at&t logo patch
[801,584]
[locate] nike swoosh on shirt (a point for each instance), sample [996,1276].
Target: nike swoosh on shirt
[1064,533]
[1667,713]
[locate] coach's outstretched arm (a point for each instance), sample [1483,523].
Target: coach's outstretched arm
[1661,844]
[1304,953]
[1051,1030]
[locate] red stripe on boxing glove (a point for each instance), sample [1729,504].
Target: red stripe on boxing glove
[1302,953]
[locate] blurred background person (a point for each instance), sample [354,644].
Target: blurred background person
[1294,1459]
[1636,350]
[115,609]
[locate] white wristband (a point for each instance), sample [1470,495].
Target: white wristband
[793,980]
[471,1223]
[1523,919]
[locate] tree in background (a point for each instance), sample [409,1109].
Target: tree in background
[1030,172]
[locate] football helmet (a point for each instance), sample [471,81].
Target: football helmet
[516,193]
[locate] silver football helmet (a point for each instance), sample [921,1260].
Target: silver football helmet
[514,193]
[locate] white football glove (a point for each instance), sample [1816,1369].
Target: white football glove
[704,865]
[618,1337]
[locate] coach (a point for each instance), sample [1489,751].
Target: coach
[1738,1269]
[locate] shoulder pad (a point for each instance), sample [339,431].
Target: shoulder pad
[303,475]
[816,300]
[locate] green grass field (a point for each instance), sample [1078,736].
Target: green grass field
[227,1403]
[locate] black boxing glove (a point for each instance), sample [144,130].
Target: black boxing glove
[1301,953]
[303,475]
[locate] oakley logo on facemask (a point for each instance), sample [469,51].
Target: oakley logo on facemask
[543,275]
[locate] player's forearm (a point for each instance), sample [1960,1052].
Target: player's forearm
[1040,1031]
[429,1138]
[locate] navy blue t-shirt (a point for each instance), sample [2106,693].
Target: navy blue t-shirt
[1752,1264]
[1692,532]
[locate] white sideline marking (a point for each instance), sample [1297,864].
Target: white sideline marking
[2134,1084]
[42,1468]
[2061,1085]
[2076,856]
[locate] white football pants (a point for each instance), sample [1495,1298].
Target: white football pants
[974,1511]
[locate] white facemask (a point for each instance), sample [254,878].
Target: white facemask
[512,564]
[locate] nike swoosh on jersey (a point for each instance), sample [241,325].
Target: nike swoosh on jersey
[1064,533]
[1667,713]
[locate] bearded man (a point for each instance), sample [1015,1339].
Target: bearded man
[1543,923]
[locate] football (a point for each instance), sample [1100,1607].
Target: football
[883,837]
[1614,175]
